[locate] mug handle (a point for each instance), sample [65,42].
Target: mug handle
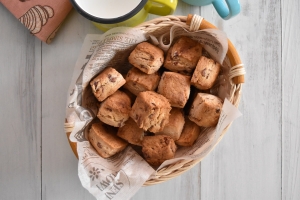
[228,8]
[161,7]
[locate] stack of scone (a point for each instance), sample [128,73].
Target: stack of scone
[161,104]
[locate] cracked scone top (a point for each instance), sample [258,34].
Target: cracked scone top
[205,110]
[175,87]
[131,133]
[175,125]
[105,141]
[156,149]
[206,73]
[147,57]
[106,83]
[183,56]
[151,111]
[115,109]
[138,81]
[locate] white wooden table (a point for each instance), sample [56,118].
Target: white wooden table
[259,158]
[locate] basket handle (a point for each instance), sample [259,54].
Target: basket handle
[237,71]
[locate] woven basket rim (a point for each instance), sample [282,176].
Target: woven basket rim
[181,166]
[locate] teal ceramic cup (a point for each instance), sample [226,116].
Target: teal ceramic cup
[225,8]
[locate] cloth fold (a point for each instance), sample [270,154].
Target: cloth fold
[42,18]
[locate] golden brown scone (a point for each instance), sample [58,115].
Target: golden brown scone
[150,111]
[175,87]
[156,149]
[129,94]
[147,57]
[105,141]
[137,81]
[175,125]
[205,110]
[189,134]
[206,73]
[115,109]
[106,83]
[131,132]
[183,56]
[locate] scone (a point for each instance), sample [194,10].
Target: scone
[115,109]
[175,87]
[105,141]
[183,56]
[129,94]
[205,110]
[147,57]
[206,73]
[175,125]
[131,132]
[137,81]
[156,149]
[106,83]
[150,111]
[189,134]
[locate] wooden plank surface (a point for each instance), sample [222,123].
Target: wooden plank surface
[247,163]
[59,165]
[290,100]
[20,108]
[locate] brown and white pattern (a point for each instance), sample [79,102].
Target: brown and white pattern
[36,17]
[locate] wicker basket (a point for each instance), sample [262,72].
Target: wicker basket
[157,27]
